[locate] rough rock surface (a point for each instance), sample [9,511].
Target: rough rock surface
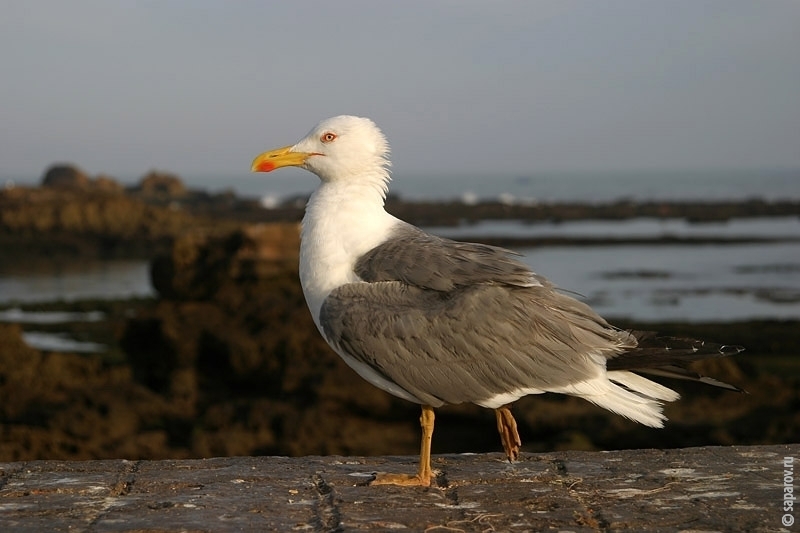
[730,488]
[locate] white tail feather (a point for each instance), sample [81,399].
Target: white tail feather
[643,386]
[638,399]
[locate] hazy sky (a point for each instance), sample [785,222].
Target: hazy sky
[200,87]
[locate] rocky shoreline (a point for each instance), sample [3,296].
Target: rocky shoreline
[227,361]
[72,215]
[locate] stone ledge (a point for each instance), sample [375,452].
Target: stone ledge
[697,489]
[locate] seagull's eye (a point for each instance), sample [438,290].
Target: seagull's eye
[328,137]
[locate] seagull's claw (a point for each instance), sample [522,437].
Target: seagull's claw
[403,480]
[509,436]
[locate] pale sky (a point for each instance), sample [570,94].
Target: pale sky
[201,87]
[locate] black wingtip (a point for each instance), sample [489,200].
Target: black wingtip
[730,349]
[721,384]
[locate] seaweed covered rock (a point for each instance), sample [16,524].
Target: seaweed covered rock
[232,342]
[91,223]
[200,266]
[69,406]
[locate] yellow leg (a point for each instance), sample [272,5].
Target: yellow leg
[423,477]
[509,436]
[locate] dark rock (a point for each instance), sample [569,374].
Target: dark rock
[232,342]
[161,185]
[90,223]
[65,176]
[199,266]
[67,406]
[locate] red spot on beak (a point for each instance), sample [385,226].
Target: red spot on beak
[265,166]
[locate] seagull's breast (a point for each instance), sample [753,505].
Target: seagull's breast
[338,228]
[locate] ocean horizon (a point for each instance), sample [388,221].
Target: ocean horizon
[537,187]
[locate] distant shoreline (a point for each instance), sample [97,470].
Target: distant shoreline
[121,223]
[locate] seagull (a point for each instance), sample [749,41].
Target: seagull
[436,321]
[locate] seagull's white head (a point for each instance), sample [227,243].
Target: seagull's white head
[337,149]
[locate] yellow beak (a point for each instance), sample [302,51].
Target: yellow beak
[280,157]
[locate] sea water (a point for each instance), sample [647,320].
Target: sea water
[85,280]
[710,281]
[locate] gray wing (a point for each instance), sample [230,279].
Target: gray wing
[471,343]
[422,260]
[453,322]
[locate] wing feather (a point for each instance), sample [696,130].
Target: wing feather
[430,262]
[471,343]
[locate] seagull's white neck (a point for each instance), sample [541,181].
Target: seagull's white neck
[343,221]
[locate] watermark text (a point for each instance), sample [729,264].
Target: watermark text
[788,492]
